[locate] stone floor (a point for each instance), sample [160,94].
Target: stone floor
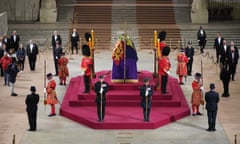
[13,118]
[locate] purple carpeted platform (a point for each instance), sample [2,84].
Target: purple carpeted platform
[123,109]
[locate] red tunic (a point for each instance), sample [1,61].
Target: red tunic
[164,65]
[62,67]
[86,65]
[5,61]
[51,93]
[182,64]
[197,93]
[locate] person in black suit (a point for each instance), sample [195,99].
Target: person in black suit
[218,42]
[146,93]
[32,52]
[225,78]
[57,55]
[12,75]
[15,39]
[56,38]
[74,40]
[202,38]
[101,88]
[224,53]
[233,59]
[189,52]
[212,99]
[31,102]
[7,42]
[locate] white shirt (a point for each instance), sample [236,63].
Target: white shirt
[31,47]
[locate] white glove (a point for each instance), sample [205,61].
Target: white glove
[202,88]
[101,90]
[168,72]
[146,93]
[44,90]
[82,72]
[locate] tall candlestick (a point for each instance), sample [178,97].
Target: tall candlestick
[155,38]
[92,33]
[158,48]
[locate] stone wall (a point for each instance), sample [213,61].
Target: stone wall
[3,23]
[21,10]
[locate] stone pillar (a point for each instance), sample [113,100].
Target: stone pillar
[236,11]
[3,23]
[199,12]
[48,11]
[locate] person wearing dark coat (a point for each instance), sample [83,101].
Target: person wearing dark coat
[31,102]
[224,53]
[56,38]
[21,53]
[218,43]
[57,55]
[7,42]
[225,78]
[202,38]
[233,59]
[15,39]
[101,88]
[12,71]
[189,52]
[74,40]
[1,55]
[212,99]
[146,92]
[32,52]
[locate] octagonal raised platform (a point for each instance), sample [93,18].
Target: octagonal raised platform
[123,109]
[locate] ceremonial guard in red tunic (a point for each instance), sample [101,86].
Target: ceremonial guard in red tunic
[63,69]
[196,94]
[182,65]
[51,94]
[86,67]
[164,67]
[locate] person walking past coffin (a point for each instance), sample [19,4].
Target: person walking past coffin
[5,61]
[32,52]
[12,71]
[74,40]
[224,53]
[14,40]
[21,54]
[233,59]
[202,38]
[212,99]
[218,43]
[101,89]
[31,102]
[189,52]
[225,78]
[146,93]
[57,55]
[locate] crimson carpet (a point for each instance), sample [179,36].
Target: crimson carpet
[123,109]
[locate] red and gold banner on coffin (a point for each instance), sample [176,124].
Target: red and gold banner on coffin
[118,52]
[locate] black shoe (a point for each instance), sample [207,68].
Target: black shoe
[193,114]
[31,129]
[208,129]
[213,129]
[199,113]
[60,83]
[13,94]
[181,83]
[50,115]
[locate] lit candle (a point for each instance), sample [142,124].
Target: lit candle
[159,49]
[155,39]
[92,33]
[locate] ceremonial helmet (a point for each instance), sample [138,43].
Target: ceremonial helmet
[162,35]
[87,36]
